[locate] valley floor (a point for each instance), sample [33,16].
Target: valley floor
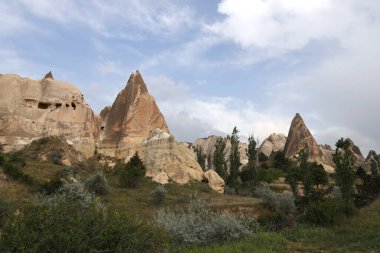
[358,234]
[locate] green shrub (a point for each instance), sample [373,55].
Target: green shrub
[133,172]
[72,220]
[205,188]
[1,159]
[274,220]
[283,202]
[158,195]
[16,173]
[199,225]
[56,156]
[271,175]
[5,210]
[51,186]
[97,184]
[329,212]
[17,157]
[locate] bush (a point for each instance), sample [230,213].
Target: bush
[329,212]
[271,175]
[16,173]
[17,157]
[283,202]
[132,172]
[62,223]
[51,186]
[97,184]
[201,226]
[275,220]
[1,159]
[56,156]
[5,211]
[158,195]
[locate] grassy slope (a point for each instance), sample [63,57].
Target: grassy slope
[359,234]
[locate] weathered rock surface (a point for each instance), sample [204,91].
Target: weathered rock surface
[300,138]
[31,109]
[274,143]
[327,152]
[161,153]
[358,156]
[208,148]
[214,181]
[130,120]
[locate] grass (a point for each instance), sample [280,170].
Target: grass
[358,234]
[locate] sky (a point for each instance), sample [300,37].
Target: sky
[212,64]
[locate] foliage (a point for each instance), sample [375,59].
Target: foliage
[2,160]
[201,158]
[252,166]
[158,195]
[293,177]
[328,212]
[234,160]
[219,161]
[199,225]
[368,191]
[51,186]
[280,161]
[133,172]
[5,210]
[62,223]
[56,156]
[17,158]
[374,167]
[97,184]
[16,173]
[344,173]
[319,175]
[270,175]
[283,202]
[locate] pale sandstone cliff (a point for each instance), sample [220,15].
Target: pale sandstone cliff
[31,109]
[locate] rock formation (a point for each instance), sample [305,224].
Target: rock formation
[31,109]
[358,156]
[300,138]
[214,181]
[208,147]
[163,155]
[274,143]
[130,120]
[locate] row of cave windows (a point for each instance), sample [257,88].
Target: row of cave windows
[42,105]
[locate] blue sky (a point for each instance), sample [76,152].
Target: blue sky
[212,64]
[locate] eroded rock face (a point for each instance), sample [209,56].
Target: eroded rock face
[274,143]
[130,120]
[214,181]
[208,148]
[300,138]
[31,109]
[162,154]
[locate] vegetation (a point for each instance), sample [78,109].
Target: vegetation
[72,220]
[252,167]
[219,161]
[133,172]
[201,158]
[232,179]
[344,173]
[199,225]
[158,195]
[97,184]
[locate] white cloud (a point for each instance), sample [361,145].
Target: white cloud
[117,18]
[189,116]
[274,27]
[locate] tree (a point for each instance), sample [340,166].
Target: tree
[132,172]
[201,158]
[374,167]
[234,159]
[345,174]
[293,177]
[319,175]
[219,161]
[252,160]
[306,173]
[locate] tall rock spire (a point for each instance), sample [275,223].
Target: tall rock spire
[300,138]
[133,115]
